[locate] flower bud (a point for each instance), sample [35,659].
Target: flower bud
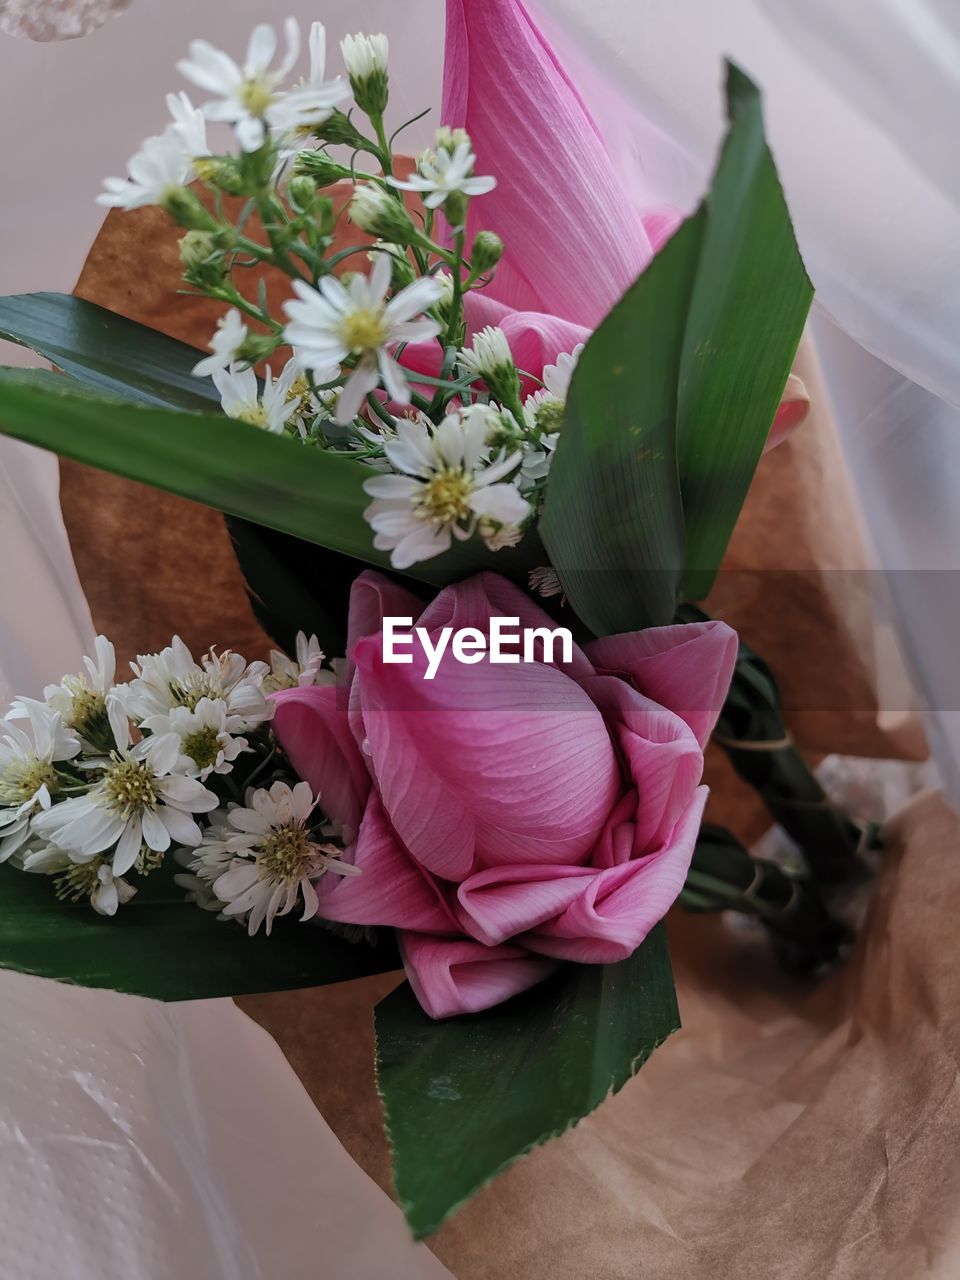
[338,128]
[256,347]
[455,209]
[487,252]
[489,357]
[449,139]
[380,214]
[366,60]
[201,257]
[302,192]
[321,168]
[221,172]
[185,208]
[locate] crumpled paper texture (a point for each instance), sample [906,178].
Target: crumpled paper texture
[788,1132]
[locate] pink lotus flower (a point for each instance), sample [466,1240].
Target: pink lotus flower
[508,817]
[574,241]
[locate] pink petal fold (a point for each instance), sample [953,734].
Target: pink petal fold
[314,730]
[450,977]
[392,889]
[533,132]
[619,906]
[686,668]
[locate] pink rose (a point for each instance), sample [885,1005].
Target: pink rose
[508,817]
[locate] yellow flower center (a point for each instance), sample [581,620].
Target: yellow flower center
[363,330]
[78,881]
[22,781]
[256,415]
[187,693]
[299,388]
[202,746]
[256,95]
[445,497]
[129,786]
[287,853]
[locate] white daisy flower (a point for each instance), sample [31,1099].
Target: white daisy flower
[204,736]
[312,101]
[272,408]
[228,337]
[307,669]
[244,95]
[171,678]
[28,772]
[544,413]
[93,878]
[446,172]
[80,700]
[444,486]
[190,124]
[365,56]
[158,172]
[328,325]
[135,801]
[274,858]
[556,377]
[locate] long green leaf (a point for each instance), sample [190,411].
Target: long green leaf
[673,397]
[612,522]
[312,493]
[105,351]
[162,946]
[466,1097]
[748,310]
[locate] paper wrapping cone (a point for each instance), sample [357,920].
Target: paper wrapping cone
[787,1133]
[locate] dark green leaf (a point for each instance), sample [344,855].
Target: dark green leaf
[613,523]
[162,946]
[749,306]
[107,352]
[466,1097]
[312,493]
[294,586]
[674,396]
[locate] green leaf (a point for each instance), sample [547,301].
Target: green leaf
[272,480]
[673,397]
[162,946]
[749,306]
[107,352]
[613,522]
[466,1097]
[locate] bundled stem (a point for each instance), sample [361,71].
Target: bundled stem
[752,732]
[723,876]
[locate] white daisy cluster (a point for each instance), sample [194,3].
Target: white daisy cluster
[99,779]
[382,365]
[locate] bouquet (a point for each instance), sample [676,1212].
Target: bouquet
[477,470]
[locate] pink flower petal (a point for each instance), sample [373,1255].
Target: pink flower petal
[660,753]
[794,410]
[504,901]
[532,131]
[450,977]
[660,224]
[620,905]
[485,764]
[392,888]
[372,598]
[685,668]
[313,729]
